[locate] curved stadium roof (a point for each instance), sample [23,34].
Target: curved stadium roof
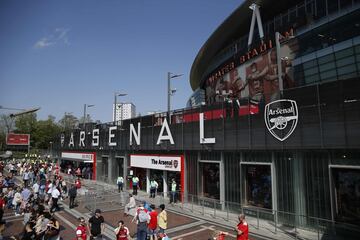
[235,26]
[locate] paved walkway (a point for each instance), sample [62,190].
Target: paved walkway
[259,228]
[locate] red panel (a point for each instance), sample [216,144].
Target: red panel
[17,139]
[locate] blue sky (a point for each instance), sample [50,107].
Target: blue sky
[59,55]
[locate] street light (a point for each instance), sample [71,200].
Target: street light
[170,91]
[85,107]
[117,94]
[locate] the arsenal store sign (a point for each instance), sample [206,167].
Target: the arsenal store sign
[158,162]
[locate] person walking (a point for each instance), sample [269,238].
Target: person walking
[96,225]
[162,221]
[153,188]
[122,232]
[72,195]
[135,182]
[142,219]
[153,223]
[242,229]
[120,183]
[55,194]
[173,191]
[26,177]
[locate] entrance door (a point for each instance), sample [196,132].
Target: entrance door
[158,176]
[347,195]
[210,179]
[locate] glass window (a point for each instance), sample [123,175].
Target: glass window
[346,76]
[326,58]
[332,6]
[312,79]
[347,194]
[345,4]
[210,180]
[321,8]
[344,53]
[358,58]
[345,61]
[347,69]
[310,64]
[258,185]
[326,67]
[357,48]
[328,74]
[311,71]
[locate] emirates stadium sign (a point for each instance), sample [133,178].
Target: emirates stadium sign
[17,139]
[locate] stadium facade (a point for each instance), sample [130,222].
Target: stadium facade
[280,127]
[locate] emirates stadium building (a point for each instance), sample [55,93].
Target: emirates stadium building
[274,123]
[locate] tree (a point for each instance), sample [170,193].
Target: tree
[6,123]
[68,122]
[6,126]
[46,130]
[26,123]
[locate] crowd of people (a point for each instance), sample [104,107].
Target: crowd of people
[32,189]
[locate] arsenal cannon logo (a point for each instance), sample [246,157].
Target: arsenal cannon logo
[281,117]
[176,163]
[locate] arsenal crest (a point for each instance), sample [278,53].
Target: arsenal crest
[176,164]
[281,117]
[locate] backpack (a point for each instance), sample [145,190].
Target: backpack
[143,216]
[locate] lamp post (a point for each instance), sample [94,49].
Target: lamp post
[117,94]
[85,107]
[170,91]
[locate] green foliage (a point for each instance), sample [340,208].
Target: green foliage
[68,122]
[41,132]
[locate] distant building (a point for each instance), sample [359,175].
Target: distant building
[124,111]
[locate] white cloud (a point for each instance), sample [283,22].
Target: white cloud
[58,36]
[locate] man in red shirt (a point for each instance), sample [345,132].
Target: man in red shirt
[81,230]
[242,228]
[153,223]
[122,232]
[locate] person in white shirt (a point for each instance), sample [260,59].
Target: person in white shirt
[120,183]
[35,189]
[130,205]
[55,194]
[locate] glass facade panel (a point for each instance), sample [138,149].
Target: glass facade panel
[310,64]
[327,66]
[347,69]
[328,74]
[344,53]
[326,58]
[312,79]
[345,61]
[311,71]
